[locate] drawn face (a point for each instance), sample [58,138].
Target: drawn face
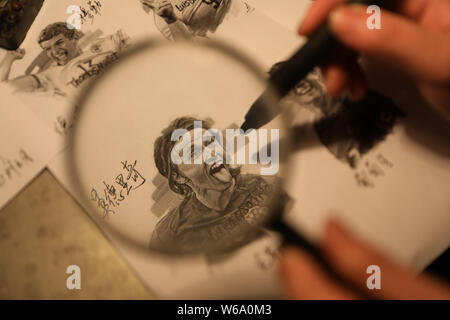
[203,177]
[307,90]
[60,49]
[353,157]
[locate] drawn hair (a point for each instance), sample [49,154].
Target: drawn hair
[163,149]
[58,28]
[366,122]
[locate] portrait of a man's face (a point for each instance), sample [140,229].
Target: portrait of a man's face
[218,200]
[215,176]
[309,91]
[69,59]
[309,94]
[60,49]
[60,43]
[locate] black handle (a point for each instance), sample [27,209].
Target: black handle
[292,237]
[321,45]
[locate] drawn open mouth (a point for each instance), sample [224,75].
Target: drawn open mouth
[220,173]
[61,55]
[215,168]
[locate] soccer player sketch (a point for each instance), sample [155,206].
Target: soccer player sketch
[186,19]
[69,58]
[348,129]
[218,201]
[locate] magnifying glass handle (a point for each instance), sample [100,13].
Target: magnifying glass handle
[292,237]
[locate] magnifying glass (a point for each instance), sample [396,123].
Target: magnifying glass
[160,160]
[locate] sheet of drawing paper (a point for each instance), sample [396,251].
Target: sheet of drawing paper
[251,268]
[23,153]
[395,197]
[247,273]
[365,180]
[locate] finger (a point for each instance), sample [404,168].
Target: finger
[351,258]
[351,78]
[336,74]
[357,85]
[317,14]
[400,42]
[304,279]
[335,79]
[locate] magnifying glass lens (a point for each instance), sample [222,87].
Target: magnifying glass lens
[158,155]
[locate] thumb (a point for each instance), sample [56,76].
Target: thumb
[400,42]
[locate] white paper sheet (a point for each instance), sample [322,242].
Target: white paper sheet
[25,149]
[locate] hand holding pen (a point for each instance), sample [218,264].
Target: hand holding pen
[414,42]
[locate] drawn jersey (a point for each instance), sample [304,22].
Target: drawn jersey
[97,55]
[192,226]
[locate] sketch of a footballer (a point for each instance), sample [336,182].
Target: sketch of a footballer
[68,60]
[181,19]
[219,201]
[346,128]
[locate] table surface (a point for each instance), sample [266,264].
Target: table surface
[42,232]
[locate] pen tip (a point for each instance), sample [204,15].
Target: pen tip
[245,126]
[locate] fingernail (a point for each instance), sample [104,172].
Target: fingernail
[346,18]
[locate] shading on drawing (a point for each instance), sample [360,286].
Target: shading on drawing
[348,129]
[177,19]
[68,60]
[217,201]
